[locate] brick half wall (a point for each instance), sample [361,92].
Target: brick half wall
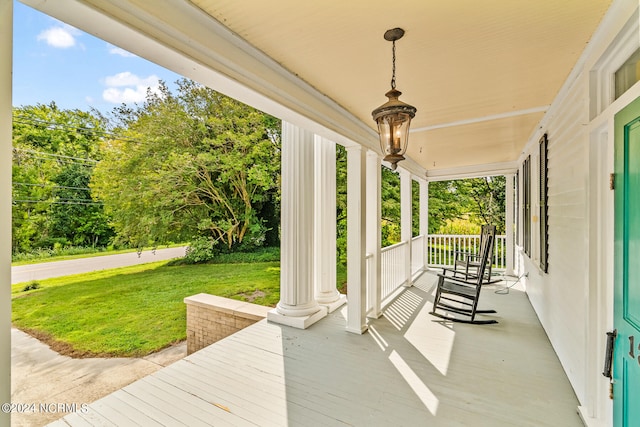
[211,318]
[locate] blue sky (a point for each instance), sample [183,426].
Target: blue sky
[53,61]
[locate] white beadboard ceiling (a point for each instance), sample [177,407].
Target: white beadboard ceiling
[498,63]
[480,73]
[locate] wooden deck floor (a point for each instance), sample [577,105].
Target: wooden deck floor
[409,369]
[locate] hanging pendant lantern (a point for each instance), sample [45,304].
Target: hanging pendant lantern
[394,116]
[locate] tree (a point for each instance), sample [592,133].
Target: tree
[52,149]
[196,164]
[485,200]
[478,200]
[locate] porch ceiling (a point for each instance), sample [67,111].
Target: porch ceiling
[481,73]
[498,63]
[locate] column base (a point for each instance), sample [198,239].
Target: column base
[300,322]
[333,306]
[358,331]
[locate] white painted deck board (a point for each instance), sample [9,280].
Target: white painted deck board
[409,369]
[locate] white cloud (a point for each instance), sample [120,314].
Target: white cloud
[119,51]
[62,37]
[127,87]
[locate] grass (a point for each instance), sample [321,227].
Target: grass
[132,311]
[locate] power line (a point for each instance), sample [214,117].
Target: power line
[97,132]
[60,156]
[61,202]
[55,187]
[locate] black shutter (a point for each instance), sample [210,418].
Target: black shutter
[517,209]
[544,206]
[526,206]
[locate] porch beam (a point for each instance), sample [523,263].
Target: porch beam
[6,57]
[374,232]
[325,233]
[297,306]
[509,223]
[356,241]
[405,222]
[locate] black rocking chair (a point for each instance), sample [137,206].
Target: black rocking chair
[464,292]
[466,264]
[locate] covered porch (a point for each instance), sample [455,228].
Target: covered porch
[488,84]
[410,369]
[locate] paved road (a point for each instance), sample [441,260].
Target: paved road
[25,273]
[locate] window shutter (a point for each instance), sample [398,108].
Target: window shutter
[526,208]
[544,205]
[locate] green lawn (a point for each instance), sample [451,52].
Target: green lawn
[133,311]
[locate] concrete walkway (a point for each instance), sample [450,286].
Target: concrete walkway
[41,379]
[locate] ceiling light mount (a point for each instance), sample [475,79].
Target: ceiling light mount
[393,34]
[394,116]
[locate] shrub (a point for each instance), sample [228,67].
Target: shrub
[31,286]
[200,250]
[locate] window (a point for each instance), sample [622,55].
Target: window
[628,74]
[544,205]
[526,206]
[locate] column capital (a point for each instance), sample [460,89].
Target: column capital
[404,172]
[371,153]
[355,148]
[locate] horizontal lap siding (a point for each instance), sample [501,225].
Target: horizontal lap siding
[560,297]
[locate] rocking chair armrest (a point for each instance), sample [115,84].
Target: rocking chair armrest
[462,253]
[458,280]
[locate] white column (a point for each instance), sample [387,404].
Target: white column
[325,233]
[297,306]
[509,223]
[6,46]
[405,221]
[424,221]
[356,241]
[373,232]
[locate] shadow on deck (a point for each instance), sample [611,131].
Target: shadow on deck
[409,369]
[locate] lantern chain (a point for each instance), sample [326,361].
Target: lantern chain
[393,75]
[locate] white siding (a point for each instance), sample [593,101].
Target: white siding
[573,301]
[559,296]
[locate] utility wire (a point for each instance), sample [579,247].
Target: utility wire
[62,202]
[60,156]
[55,187]
[103,133]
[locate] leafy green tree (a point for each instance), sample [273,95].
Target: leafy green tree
[390,206]
[50,144]
[195,164]
[74,215]
[445,204]
[484,200]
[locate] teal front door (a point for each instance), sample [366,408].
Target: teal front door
[626,362]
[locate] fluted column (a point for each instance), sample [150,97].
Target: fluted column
[325,233]
[509,223]
[405,221]
[424,220]
[297,306]
[356,241]
[373,231]
[6,46]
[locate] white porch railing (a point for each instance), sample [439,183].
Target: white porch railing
[392,260]
[443,247]
[417,254]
